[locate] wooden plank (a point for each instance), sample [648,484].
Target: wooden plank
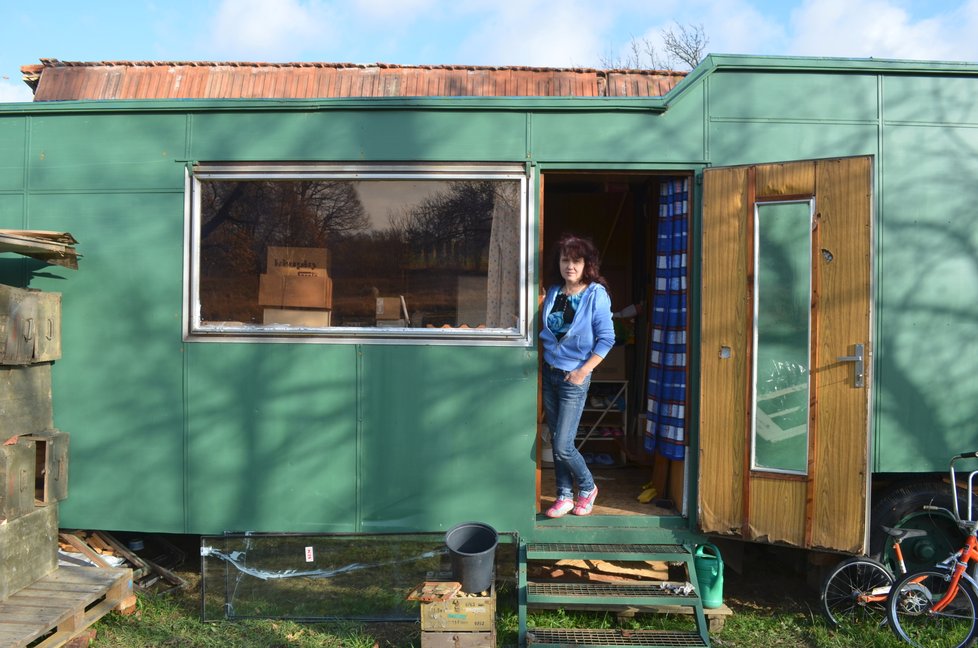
[724,349]
[777,510]
[84,549]
[785,180]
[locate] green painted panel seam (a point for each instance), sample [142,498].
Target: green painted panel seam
[185,406]
[25,204]
[932,124]
[358,478]
[706,119]
[188,140]
[875,403]
[106,192]
[794,120]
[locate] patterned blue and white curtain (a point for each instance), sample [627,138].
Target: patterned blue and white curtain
[665,428]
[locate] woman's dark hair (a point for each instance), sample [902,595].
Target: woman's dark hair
[576,247]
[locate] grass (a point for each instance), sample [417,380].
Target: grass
[774,606]
[173,620]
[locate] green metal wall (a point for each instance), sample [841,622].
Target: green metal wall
[205,437]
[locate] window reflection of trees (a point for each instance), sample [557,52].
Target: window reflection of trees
[419,250]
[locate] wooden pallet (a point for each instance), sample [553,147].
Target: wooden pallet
[61,605]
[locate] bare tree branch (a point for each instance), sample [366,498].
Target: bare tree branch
[684,46]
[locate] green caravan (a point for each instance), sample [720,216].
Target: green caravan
[312,306]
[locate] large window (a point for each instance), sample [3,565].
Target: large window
[358,252]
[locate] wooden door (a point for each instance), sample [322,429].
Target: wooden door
[786,305]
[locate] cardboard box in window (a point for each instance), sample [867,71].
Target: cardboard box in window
[613,365]
[302,261]
[388,308]
[288,291]
[304,317]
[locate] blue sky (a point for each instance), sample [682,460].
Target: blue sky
[551,33]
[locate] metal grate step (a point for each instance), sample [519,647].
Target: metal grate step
[562,637]
[557,550]
[618,593]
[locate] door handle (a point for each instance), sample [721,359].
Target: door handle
[859,358]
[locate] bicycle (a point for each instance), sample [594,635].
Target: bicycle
[930,607]
[855,592]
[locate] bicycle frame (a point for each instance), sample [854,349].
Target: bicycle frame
[969,553]
[959,560]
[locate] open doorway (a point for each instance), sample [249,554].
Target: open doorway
[633,442]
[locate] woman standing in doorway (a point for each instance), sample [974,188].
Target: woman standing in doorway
[577,334]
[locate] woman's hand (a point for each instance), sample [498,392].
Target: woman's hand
[577,376]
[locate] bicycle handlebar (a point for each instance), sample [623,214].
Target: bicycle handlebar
[966,455]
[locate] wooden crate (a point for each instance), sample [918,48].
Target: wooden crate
[460,613]
[25,399]
[28,549]
[458,639]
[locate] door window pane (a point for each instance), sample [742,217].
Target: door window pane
[782,322]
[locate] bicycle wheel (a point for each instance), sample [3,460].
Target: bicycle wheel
[909,610]
[854,593]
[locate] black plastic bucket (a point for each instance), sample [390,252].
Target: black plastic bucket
[472,549]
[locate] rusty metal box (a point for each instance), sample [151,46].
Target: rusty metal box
[461,613]
[458,639]
[50,466]
[17,479]
[30,326]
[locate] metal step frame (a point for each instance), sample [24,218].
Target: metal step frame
[648,596]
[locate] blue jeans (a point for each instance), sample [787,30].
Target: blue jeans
[563,403]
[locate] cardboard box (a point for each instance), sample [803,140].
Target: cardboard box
[304,317]
[613,365]
[461,613]
[290,291]
[458,639]
[388,308]
[305,261]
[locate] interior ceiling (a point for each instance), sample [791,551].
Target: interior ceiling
[574,182]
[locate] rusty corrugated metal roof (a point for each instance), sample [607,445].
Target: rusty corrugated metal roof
[55,80]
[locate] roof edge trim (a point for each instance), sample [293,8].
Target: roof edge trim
[522,104]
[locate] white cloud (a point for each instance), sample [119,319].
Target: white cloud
[11,91]
[268,29]
[537,33]
[881,29]
[402,11]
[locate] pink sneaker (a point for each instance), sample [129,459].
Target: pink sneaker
[560,508]
[584,504]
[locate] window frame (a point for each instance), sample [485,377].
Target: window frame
[755,336]
[194,330]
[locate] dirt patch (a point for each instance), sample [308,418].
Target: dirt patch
[771,579]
